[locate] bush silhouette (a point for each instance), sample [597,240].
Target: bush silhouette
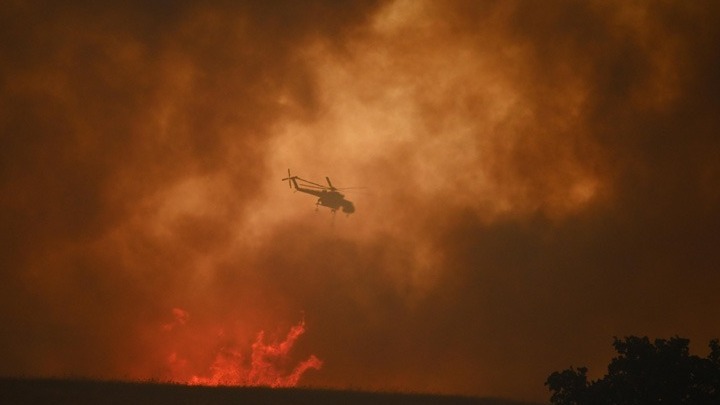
[644,372]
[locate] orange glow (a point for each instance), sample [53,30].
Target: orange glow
[518,169]
[266,365]
[181,317]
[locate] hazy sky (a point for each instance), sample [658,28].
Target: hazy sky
[542,176]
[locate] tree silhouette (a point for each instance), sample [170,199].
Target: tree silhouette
[662,372]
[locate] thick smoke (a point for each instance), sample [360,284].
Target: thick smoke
[541,177]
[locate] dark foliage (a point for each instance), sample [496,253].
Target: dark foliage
[644,372]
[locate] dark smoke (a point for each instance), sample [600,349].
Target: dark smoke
[542,177]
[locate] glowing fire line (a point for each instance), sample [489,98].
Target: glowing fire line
[264,368]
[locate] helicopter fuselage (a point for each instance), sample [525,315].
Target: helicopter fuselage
[327,196]
[331,199]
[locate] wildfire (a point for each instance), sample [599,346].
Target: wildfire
[266,364]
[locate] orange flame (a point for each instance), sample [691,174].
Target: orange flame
[266,365]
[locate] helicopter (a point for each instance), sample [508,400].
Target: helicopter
[328,196]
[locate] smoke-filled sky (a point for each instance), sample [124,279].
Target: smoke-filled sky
[541,177]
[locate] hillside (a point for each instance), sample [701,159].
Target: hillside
[77,392]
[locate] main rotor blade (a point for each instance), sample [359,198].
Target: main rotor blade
[311,182]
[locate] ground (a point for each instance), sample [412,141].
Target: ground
[78,392]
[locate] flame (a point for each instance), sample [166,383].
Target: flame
[265,366]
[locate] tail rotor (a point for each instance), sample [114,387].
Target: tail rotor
[290,179]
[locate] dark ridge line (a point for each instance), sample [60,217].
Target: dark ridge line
[20,390]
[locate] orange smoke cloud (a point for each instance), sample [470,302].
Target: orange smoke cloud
[546,171]
[181,318]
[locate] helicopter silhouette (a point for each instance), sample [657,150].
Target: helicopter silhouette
[328,196]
